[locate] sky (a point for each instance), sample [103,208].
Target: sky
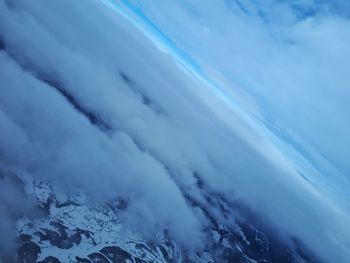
[314,149]
[134,99]
[292,97]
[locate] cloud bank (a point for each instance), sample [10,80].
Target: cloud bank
[89,103]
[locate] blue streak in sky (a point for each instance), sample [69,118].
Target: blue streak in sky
[161,36]
[187,62]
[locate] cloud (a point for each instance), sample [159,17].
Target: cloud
[90,104]
[65,146]
[291,59]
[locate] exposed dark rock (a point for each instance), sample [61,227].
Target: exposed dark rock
[24,238]
[28,253]
[137,260]
[86,233]
[98,258]
[165,254]
[60,228]
[50,260]
[67,203]
[60,238]
[82,260]
[230,255]
[116,254]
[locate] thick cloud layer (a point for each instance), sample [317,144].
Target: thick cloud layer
[89,103]
[291,58]
[285,63]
